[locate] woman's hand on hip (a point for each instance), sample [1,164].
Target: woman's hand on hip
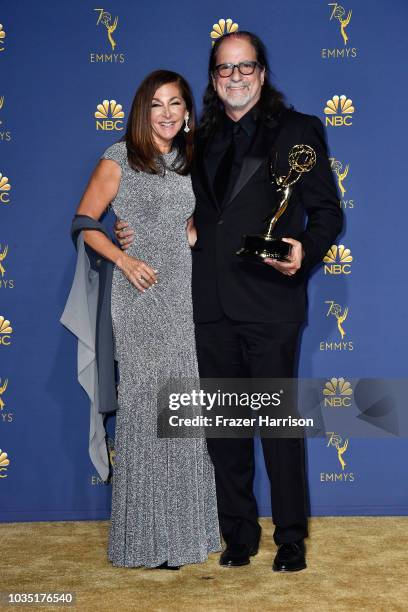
[137,272]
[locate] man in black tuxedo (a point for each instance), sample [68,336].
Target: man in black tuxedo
[248,317]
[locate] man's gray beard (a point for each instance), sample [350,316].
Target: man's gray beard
[241,102]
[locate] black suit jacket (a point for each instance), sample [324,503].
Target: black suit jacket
[225,283]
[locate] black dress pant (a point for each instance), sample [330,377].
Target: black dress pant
[233,349]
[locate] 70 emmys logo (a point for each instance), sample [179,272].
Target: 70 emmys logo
[2,258]
[3,388]
[341,315]
[110,24]
[4,135]
[97,480]
[6,417]
[106,19]
[338,260]
[6,283]
[111,114]
[337,442]
[335,310]
[341,174]
[341,446]
[338,13]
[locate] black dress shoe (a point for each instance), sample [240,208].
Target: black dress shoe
[290,557]
[168,567]
[237,555]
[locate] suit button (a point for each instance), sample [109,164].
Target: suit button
[98,262]
[220,222]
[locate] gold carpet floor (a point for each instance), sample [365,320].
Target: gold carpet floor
[354,563]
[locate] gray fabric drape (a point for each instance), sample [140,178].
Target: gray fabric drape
[87,316]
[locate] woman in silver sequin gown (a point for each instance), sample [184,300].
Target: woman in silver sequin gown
[164,507]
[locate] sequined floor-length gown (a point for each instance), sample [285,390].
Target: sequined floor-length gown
[163,494]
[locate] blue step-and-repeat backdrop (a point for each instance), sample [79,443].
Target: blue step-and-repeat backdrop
[69,70]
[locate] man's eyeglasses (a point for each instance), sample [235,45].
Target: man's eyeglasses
[245,68]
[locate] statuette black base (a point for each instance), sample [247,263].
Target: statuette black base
[257,247]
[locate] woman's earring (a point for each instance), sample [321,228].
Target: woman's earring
[186,128]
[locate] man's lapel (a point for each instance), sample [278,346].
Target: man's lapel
[204,176]
[258,152]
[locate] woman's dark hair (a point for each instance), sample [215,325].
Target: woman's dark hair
[142,152]
[271,102]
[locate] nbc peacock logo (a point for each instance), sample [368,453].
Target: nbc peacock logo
[109,115]
[5,189]
[338,260]
[4,463]
[5,331]
[2,37]
[337,393]
[339,111]
[223,26]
